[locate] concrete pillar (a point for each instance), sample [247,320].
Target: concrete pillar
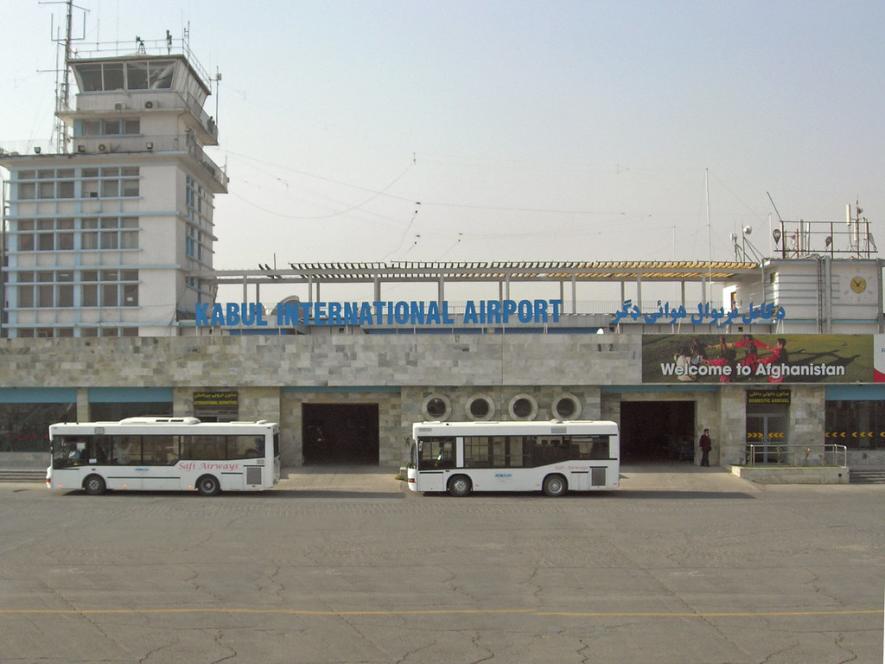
[83,404]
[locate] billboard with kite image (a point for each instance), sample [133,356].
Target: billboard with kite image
[765,358]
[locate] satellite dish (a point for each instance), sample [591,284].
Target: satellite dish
[776,234]
[748,230]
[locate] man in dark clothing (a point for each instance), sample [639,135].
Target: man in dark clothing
[705,445]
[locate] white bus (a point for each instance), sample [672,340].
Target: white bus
[553,457]
[164,454]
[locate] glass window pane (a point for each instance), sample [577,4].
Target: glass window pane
[109,295]
[44,296]
[109,332]
[90,222]
[27,191]
[27,175]
[437,452]
[89,296]
[64,275]
[109,240]
[129,170]
[89,275]
[159,450]
[89,189]
[66,189]
[131,332]
[90,77]
[245,447]
[129,240]
[203,447]
[26,296]
[65,241]
[131,127]
[25,276]
[26,242]
[25,333]
[65,331]
[91,127]
[89,240]
[160,74]
[130,222]
[46,174]
[90,172]
[26,225]
[113,76]
[126,449]
[129,275]
[46,190]
[109,275]
[130,187]
[130,295]
[45,277]
[88,332]
[136,74]
[110,172]
[111,127]
[45,241]
[110,188]
[65,224]
[66,296]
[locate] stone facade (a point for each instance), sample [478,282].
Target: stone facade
[274,376]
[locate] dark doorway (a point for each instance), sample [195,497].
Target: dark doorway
[340,433]
[657,431]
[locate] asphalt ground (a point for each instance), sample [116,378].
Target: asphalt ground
[685,567]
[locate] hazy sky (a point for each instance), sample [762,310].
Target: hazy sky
[527,130]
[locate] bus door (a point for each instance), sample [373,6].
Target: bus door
[436,460]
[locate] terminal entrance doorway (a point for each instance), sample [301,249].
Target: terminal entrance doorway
[657,431]
[341,434]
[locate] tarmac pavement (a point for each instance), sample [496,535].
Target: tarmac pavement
[347,565]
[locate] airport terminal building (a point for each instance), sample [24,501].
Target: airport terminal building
[110,310]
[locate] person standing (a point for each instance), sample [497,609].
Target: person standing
[705,445]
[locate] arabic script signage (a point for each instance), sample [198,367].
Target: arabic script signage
[745,358]
[703,313]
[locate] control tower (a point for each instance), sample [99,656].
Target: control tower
[110,232]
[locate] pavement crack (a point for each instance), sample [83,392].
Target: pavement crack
[474,640]
[219,634]
[840,637]
[778,652]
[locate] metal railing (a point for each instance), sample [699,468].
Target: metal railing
[766,454]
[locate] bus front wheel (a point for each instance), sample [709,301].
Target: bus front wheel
[460,485]
[94,485]
[207,485]
[555,486]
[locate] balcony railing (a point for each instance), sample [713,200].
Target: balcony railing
[140,144]
[137,102]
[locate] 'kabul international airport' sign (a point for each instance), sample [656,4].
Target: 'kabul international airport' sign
[402,312]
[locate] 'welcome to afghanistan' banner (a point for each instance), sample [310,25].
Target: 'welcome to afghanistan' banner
[767,358]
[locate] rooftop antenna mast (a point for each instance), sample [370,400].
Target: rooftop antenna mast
[63,83]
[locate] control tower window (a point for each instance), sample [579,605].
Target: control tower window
[160,74]
[90,77]
[113,77]
[136,72]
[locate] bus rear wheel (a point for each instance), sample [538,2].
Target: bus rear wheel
[460,486]
[207,485]
[94,485]
[555,486]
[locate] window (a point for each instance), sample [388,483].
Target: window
[113,76]
[480,407]
[126,450]
[24,427]
[90,77]
[436,407]
[859,425]
[493,452]
[566,407]
[160,74]
[159,450]
[203,447]
[27,191]
[590,447]
[136,75]
[437,452]
[523,407]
